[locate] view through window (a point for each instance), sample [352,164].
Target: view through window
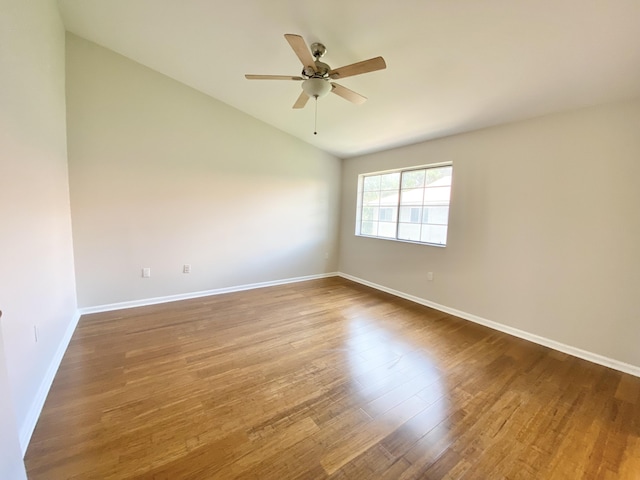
[408,204]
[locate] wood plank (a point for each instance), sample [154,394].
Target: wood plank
[325,379]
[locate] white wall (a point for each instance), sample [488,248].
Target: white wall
[36,279]
[544,229]
[162,175]
[11,465]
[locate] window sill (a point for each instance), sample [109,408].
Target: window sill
[440,245]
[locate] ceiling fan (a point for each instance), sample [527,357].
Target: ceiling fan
[316,75]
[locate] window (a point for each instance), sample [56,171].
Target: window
[410,204]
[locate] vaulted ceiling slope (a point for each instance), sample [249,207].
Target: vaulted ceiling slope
[452,66]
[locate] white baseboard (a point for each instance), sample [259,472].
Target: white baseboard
[29,424]
[186,296]
[561,347]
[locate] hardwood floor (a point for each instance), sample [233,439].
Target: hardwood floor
[326,379]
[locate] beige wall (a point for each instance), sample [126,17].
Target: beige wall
[544,229]
[36,279]
[162,175]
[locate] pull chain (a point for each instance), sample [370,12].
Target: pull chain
[315,125]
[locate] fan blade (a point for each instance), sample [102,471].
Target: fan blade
[301,101]
[347,94]
[301,50]
[359,68]
[271,77]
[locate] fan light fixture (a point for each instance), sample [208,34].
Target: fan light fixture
[315,74]
[316,87]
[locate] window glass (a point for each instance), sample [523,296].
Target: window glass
[408,204]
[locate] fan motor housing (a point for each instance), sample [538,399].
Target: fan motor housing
[322,69]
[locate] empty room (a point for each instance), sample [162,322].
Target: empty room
[302,240]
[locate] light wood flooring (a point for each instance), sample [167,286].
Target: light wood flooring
[326,379]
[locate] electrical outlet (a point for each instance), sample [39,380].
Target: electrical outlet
[430,276]
[186,268]
[146,272]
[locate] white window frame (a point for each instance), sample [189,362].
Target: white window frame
[396,218]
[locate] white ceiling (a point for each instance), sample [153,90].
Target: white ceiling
[452,65]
